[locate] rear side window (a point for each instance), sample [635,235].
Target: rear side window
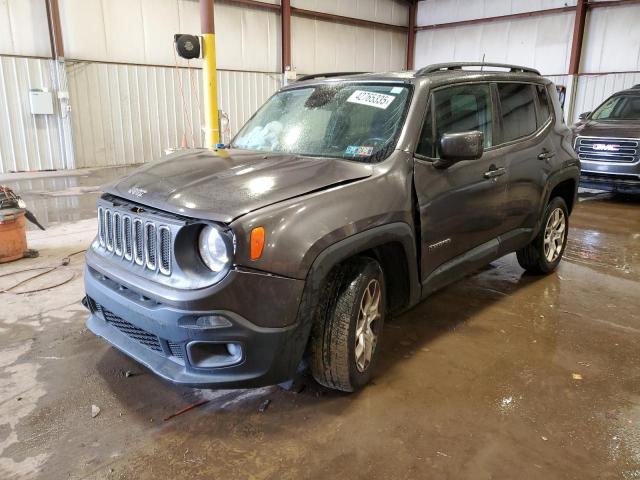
[457,109]
[544,104]
[518,110]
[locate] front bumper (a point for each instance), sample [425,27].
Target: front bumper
[610,183]
[162,337]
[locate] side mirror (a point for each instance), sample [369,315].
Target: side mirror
[456,147]
[584,116]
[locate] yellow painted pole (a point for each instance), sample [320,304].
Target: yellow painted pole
[209,76]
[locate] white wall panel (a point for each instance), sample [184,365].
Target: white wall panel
[321,46]
[27,142]
[126,114]
[612,40]
[23,28]
[395,12]
[594,89]
[432,12]
[540,42]
[141,31]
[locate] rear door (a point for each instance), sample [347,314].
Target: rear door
[461,207]
[526,120]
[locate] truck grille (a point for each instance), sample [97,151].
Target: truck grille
[138,334]
[618,150]
[145,242]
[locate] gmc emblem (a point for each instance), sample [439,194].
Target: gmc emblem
[605,147]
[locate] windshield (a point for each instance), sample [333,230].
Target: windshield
[354,121]
[620,107]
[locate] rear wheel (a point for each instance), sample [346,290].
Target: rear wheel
[544,253]
[348,325]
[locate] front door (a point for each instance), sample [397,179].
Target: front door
[461,207]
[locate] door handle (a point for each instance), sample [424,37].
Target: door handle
[546,154]
[495,173]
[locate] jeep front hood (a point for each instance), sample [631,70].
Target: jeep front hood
[225,184]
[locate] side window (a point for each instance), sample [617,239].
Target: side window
[463,108]
[518,110]
[543,103]
[425,146]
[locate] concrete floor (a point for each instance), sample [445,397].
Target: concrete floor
[501,375]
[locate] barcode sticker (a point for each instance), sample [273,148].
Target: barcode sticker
[377,100]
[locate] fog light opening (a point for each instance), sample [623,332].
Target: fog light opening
[212,355]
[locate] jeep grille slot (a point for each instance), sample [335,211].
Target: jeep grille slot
[128,237]
[101,235]
[151,245]
[109,229]
[137,240]
[165,250]
[117,231]
[607,149]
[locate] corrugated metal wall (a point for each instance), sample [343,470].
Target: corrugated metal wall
[124,114]
[321,46]
[385,11]
[612,44]
[431,12]
[541,42]
[23,28]
[141,32]
[610,56]
[27,142]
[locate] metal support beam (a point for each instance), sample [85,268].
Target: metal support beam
[55,30]
[578,35]
[285,16]
[411,35]
[209,75]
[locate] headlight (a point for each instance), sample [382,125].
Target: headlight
[214,249]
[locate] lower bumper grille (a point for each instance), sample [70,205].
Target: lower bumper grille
[147,339]
[176,350]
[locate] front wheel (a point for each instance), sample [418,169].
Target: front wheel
[348,325]
[544,253]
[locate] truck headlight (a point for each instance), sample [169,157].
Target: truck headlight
[215,249]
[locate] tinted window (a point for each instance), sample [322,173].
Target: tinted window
[463,109]
[518,110]
[543,102]
[425,146]
[620,107]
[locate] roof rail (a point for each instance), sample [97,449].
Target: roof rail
[439,67]
[328,75]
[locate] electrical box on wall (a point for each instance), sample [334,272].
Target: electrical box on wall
[41,101]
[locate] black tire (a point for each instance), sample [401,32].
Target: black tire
[532,257]
[332,355]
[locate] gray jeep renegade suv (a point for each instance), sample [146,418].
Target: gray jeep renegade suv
[342,200]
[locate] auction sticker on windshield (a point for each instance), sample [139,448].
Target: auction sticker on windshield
[378,100]
[358,151]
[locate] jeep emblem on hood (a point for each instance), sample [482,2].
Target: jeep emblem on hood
[605,146]
[137,191]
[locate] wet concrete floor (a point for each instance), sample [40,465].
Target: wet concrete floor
[499,376]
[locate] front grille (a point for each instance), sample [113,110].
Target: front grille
[138,334]
[144,242]
[618,150]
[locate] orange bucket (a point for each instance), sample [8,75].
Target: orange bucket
[13,236]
